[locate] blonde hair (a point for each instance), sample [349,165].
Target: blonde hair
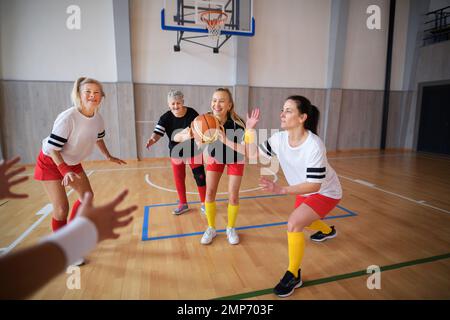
[231,112]
[75,95]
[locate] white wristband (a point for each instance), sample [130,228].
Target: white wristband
[76,239]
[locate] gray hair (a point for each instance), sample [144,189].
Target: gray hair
[175,94]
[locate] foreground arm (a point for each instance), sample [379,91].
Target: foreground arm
[25,271]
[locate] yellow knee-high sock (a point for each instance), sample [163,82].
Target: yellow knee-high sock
[319,225]
[210,210]
[232,215]
[296,245]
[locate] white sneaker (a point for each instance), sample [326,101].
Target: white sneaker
[232,236]
[78,262]
[208,236]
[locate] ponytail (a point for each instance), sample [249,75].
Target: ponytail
[75,95]
[312,112]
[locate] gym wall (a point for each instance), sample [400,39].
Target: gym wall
[321,49]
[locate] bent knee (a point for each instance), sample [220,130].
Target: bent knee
[60,212]
[295,226]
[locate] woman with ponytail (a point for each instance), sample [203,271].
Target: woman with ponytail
[75,133]
[302,156]
[228,151]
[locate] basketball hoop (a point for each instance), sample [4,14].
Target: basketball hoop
[214,21]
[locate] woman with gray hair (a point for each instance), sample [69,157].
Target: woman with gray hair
[178,118]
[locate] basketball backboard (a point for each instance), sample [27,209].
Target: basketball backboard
[185,16]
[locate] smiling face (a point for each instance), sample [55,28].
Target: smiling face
[290,116]
[221,104]
[90,95]
[176,106]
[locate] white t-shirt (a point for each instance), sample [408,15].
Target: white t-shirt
[305,163]
[74,135]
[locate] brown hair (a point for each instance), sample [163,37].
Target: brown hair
[75,95]
[305,106]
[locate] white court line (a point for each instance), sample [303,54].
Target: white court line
[364,183]
[45,210]
[370,185]
[372,156]
[333,158]
[147,179]
[107,170]
[164,167]
[126,169]
[33,226]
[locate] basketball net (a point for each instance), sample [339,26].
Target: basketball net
[214,20]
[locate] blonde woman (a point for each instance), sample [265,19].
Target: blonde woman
[75,133]
[228,152]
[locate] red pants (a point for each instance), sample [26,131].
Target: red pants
[179,174]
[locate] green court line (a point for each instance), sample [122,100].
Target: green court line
[360,273]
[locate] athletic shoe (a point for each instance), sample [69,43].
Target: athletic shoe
[208,236]
[203,209]
[79,263]
[319,236]
[182,208]
[288,284]
[232,236]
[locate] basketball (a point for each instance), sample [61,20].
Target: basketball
[205,128]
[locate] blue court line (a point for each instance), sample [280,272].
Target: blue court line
[147,217]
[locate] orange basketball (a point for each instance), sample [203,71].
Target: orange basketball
[205,128]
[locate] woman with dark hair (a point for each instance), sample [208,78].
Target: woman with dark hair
[302,157]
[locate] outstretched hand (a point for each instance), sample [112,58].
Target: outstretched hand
[252,119]
[107,218]
[116,160]
[69,178]
[269,185]
[6,181]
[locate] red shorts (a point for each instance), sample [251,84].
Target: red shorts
[321,204]
[233,169]
[46,169]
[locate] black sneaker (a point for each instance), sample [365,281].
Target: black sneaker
[288,284]
[319,236]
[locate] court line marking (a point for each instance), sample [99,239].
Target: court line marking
[338,277]
[371,156]
[334,158]
[33,226]
[373,186]
[145,225]
[152,184]
[117,169]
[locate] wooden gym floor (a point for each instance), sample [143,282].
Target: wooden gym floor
[395,214]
